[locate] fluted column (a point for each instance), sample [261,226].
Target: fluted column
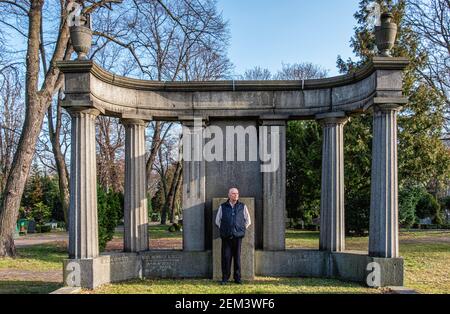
[135,198]
[274,185]
[83,223]
[193,186]
[332,226]
[383,233]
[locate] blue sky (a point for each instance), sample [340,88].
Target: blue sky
[268,33]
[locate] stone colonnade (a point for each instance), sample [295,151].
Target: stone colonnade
[83,229]
[383,235]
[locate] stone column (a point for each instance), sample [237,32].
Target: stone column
[193,186]
[83,223]
[383,233]
[135,198]
[332,227]
[274,185]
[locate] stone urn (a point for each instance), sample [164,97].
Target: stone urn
[385,35]
[81,37]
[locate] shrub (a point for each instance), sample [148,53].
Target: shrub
[408,198]
[41,213]
[175,227]
[428,206]
[155,217]
[446,202]
[110,211]
[43,228]
[357,213]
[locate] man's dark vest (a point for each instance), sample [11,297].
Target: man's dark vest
[233,220]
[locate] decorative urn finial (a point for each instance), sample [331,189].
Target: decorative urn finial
[385,35]
[80,30]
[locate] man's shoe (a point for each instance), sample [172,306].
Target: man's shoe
[223,282]
[239,282]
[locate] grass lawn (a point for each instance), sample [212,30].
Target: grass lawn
[426,254]
[36,269]
[262,285]
[41,257]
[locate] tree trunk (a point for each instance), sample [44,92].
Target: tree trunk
[177,188]
[31,128]
[36,103]
[156,144]
[61,167]
[172,192]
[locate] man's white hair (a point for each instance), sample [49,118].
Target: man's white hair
[231,189]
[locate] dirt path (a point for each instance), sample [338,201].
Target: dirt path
[31,275]
[41,238]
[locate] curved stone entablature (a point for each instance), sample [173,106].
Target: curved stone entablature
[380,81]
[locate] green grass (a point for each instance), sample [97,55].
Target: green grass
[262,285]
[158,232]
[28,287]
[162,232]
[38,258]
[426,255]
[42,257]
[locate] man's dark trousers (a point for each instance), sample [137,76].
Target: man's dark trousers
[231,249]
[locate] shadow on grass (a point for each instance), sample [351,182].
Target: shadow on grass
[261,285]
[162,232]
[300,234]
[157,232]
[424,248]
[28,287]
[53,252]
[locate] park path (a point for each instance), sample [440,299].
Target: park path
[41,238]
[56,276]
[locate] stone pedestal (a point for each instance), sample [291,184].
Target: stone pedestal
[332,227]
[83,224]
[193,186]
[274,185]
[135,199]
[248,243]
[383,233]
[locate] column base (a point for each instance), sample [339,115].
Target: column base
[93,272]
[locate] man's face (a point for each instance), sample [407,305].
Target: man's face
[233,195]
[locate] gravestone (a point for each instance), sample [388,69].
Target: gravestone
[31,226]
[248,243]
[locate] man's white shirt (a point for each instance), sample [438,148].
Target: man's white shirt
[247,219]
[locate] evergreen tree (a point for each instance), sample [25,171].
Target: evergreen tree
[422,157]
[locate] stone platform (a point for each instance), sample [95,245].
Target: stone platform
[116,267]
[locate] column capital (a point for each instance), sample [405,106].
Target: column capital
[387,107]
[268,120]
[77,111]
[134,119]
[190,121]
[336,117]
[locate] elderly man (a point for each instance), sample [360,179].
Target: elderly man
[232,219]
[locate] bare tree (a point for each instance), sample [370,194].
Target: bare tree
[430,20]
[166,41]
[10,118]
[26,18]
[257,73]
[300,71]
[110,160]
